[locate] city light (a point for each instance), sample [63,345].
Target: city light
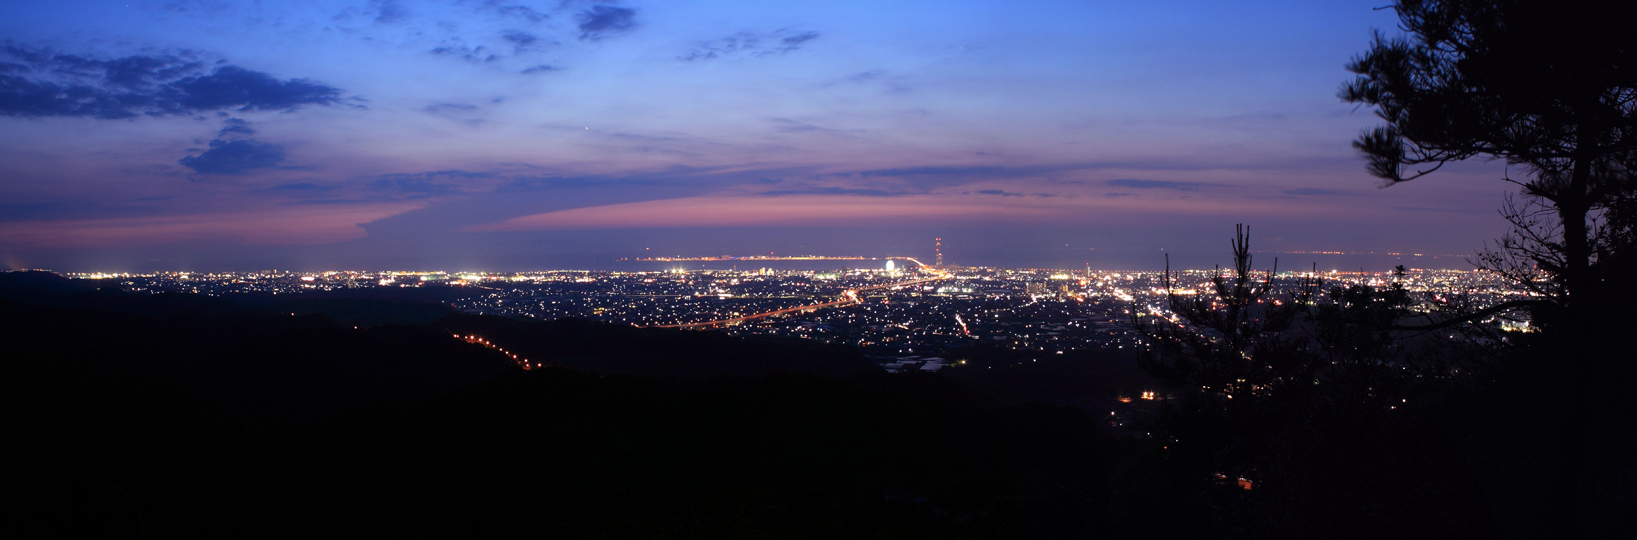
[887,314]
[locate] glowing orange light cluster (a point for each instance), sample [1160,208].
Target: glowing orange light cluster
[521,362]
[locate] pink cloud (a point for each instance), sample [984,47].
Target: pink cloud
[739,211]
[290,225]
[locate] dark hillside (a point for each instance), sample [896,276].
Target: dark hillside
[182,416]
[364,312]
[610,348]
[785,456]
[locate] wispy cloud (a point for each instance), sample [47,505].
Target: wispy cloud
[409,186]
[1161,184]
[749,44]
[823,210]
[1315,192]
[713,211]
[306,187]
[443,108]
[934,171]
[1453,210]
[461,112]
[478,54]
[816,190]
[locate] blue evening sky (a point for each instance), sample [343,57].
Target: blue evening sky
[473,134]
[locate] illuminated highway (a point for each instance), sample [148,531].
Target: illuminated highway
[521,362]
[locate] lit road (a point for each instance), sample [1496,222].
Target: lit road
[522,362]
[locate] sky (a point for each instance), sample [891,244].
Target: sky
[517,135]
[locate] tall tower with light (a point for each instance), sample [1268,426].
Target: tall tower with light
[938,247]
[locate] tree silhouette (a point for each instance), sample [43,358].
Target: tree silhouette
[1549,86]
[1351,410]
[1228,339]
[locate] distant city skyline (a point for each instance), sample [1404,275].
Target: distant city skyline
[194,135]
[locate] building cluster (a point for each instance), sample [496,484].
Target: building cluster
[909,319]
[262,282]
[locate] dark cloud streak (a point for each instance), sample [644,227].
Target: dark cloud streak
[604,21]
[235,157]
[46,84]
[1161,184]
[235,126]
[933,171]
[519,11]
[521,41]
[231,86]
[1004,193]
[389,11]
[793,42]
[1315,191]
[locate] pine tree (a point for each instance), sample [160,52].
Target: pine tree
[1549,86]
